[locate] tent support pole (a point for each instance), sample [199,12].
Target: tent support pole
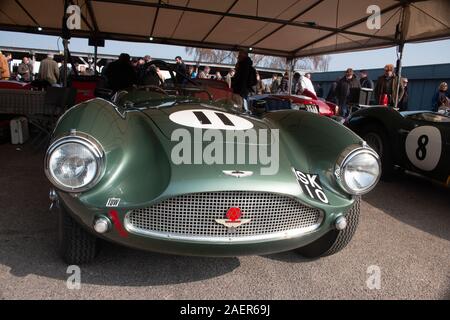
[291,65]
[401,34]
[95,59]
[65,37]
[399,73]
[66,58]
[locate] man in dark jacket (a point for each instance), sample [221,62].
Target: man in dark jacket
[364,80]
[387,86]
[120,73]
[240,81]
[180,69]
[347,91]
[25,70]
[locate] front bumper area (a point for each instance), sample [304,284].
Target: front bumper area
[122,234]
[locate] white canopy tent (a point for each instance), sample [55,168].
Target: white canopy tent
[289,28]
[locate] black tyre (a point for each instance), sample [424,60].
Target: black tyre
[75,245]
[334,241]
[377,138]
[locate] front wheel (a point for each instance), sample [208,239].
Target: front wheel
[377,139]
[335,240]
[75,245]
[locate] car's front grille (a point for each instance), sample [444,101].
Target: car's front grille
[193,217]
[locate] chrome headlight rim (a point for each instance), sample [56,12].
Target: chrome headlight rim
[346,156]
[92,145]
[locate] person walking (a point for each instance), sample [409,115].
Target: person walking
[386,88]
[241,83]
[48,70]
[346,91]
[441,98]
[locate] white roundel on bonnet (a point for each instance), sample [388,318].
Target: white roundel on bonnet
[210,119]
[424,147]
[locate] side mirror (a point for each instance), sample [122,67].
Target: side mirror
[104,93]
[259,107]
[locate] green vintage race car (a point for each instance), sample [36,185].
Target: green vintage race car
[182,175]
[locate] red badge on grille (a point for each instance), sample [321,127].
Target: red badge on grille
[234,214]
[233,219]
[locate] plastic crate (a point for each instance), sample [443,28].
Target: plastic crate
[22,102]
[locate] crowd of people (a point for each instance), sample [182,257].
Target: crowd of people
[243,79]
[49,70]
[345,91]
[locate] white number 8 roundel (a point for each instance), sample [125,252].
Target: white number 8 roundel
[424,147]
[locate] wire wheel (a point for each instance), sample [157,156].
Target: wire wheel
[375,142]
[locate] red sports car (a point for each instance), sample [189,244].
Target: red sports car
[325,108]
[9,84]
[308,102]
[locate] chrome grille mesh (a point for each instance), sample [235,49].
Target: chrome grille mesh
[193,216]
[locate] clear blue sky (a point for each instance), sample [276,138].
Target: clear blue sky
[415,54]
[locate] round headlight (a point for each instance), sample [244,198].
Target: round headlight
[74,163]
[359,171]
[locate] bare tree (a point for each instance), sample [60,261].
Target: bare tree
[211,55]
[319,63]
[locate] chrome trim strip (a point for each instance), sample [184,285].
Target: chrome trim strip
[223,240]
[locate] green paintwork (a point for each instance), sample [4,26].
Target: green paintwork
[139,170]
